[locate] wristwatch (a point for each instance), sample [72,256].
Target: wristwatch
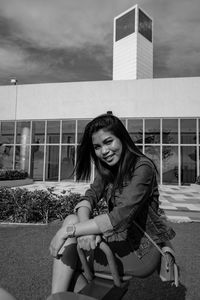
[70,229]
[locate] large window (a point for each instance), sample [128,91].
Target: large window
[135,129]
[23,132]
[6,157]
[81,127]
[145,26]
[38,132]
[37,162]
[188,131]
[170,164]
[22,157]
[125,25]
[68,132]
[170,131]
[47,148]
[67,162]
[199,130]
[52,163]
[152,131]
[7,132]
[153,152]
[188,164]
[53,132]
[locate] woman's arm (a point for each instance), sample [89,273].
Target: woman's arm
[129,202]
[85,228]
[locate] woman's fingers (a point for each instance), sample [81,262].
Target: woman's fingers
[98,240]
[57,242]
[87,242]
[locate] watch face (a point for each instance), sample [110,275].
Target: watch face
[70,229]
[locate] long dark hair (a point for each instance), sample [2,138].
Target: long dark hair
[129,156]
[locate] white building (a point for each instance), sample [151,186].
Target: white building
[41,124]
[133,45]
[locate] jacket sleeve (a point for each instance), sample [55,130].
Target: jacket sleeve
[92,195]
[130,200]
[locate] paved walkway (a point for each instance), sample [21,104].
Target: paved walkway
[180,203]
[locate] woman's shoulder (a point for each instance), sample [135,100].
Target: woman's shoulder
[144,160]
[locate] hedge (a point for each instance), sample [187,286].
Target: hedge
[20,205]
[13,174]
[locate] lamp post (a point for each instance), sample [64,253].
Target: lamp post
[13,81]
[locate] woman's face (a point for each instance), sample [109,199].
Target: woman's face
[107,147]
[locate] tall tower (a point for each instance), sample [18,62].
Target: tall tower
[132,45]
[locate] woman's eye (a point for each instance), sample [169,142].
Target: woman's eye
[96,147]
[109,142]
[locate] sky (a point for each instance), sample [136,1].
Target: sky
[44,41]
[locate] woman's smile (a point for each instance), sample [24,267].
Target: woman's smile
[107,147]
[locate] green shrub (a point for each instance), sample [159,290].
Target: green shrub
[13,174]
[20,205]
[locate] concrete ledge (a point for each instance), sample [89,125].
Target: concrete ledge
[15,183]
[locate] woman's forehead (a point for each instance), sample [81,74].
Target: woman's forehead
[101,135]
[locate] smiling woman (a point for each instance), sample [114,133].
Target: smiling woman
[126,180]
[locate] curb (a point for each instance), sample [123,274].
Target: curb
[22,224]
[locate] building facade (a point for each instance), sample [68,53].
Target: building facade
[41,124]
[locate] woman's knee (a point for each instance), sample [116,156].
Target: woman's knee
[70,219]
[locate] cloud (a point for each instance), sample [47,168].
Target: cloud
[58,23]
[176,38]
[70,40]
[53,42]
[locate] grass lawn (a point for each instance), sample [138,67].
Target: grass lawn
[25,264]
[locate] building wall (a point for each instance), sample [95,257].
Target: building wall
[124,58]
[171,97]
[144,58]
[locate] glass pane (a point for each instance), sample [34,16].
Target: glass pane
[188,164]
[199,161]
[170,164]
[7,132]
[67,162]
[68,132]
[37,162]
[6,157]
[145,26]
[125,25]
[23,133]
[81,128]
[135,129]
[22,157]
[52,163]
[153,152]
[188,131]
[199,131]
[152,131]
[38,132]
[53,132]
[170,131]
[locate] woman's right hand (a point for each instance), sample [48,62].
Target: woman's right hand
[88,242]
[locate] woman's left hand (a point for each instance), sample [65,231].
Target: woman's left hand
[57,242]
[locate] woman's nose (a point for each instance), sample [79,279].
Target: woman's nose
[104,150]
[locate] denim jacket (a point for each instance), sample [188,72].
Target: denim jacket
[137,201]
